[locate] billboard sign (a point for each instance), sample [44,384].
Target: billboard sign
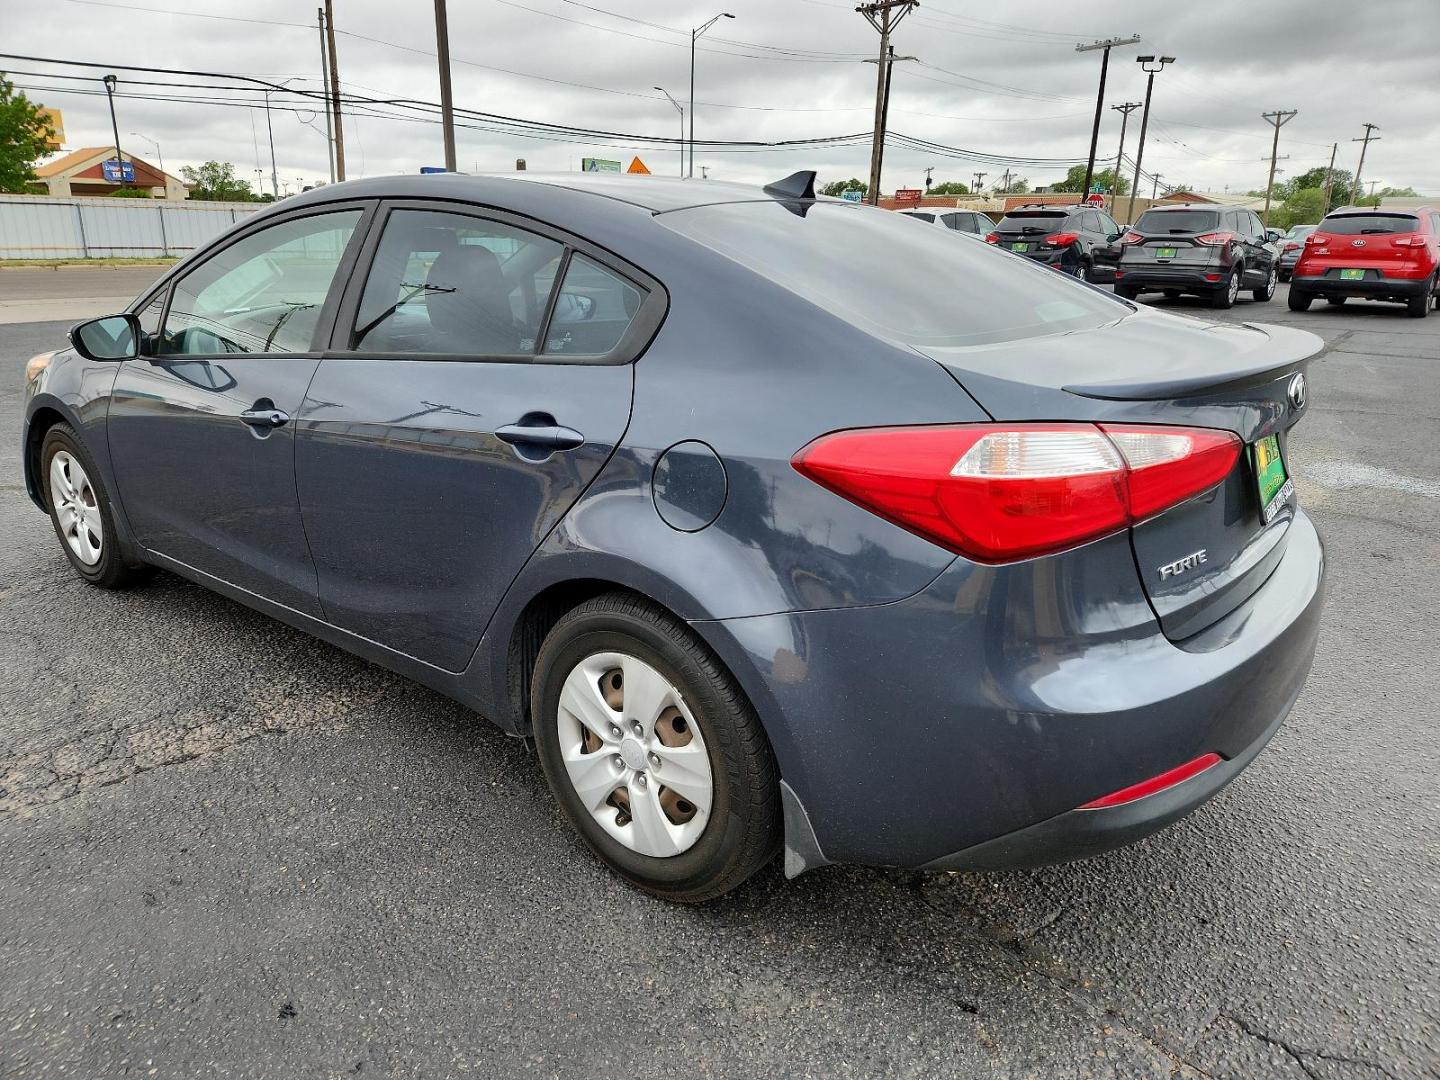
[114,172]
[852,195]
[57,125]
[907,196]
[430,170]
[595,164]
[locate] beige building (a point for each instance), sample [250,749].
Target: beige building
[80,172]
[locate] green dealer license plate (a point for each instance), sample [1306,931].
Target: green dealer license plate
[1352,275]
[1164,253]
[1275,486]
[1022,246]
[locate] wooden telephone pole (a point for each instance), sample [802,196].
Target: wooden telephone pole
[335,91]
[1277,120]
[1365,145]
[884,16]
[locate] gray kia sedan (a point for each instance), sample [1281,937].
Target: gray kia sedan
[775,521]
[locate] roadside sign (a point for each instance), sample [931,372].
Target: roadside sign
[638,167]
[852,195]
[907,196]
[112,171]
[56,121]
[429,170]
[595,164]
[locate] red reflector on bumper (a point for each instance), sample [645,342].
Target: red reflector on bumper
[1168,779]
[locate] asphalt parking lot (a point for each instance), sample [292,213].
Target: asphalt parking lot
[227,849]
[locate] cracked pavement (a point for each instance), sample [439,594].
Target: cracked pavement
[228,849]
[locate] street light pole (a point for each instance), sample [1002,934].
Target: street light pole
[694,36]
[1145,63]
[1106,46]
[681,110]
[159,158]
[110,82]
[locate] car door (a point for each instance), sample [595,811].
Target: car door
[1259,255]
[1107,245]
[201,428]
[479,379]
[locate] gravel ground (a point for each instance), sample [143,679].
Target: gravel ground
[229,850]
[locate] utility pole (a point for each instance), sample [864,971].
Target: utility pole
[1329,179]
[325,80]
[447,104]
[890,61]
[1150,66]
[979,178]
[270,131]
[335,91]
[928,170]
[1277,120]
[884,16]
[1005,183]
[1106,46]
[1125,110]
[1155,186]
[694,36]
[1366,141]
[110,82]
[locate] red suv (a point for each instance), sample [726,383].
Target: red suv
[1374,253]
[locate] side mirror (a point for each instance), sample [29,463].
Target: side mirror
[115,337]
[1114,236]
[573,308]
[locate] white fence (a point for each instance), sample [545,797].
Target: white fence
[43,227]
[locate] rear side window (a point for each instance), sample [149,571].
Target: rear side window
[458,285]
[1367,224]
[859,265]
[594,309]
[262,294]
[1177,221]
[1043,221]
[922,217]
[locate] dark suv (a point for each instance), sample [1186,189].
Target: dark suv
[1208,250]
[1076,240]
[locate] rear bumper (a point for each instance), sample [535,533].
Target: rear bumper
[1380,287]
[963,727]
[1171,277]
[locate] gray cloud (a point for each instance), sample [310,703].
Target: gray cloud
[1018,89]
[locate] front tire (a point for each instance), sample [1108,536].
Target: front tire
[625,698]
[1265,292]
[81,512]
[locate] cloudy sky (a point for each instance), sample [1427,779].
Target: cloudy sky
[1002,79]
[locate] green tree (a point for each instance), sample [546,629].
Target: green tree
[949,187]
[1304,207]
[216,181]
[1105,179]
[25,135]
[838,187]
[1018,186]
[130,193]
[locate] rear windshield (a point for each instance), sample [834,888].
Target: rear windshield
[1298,231]
[1177,221]
[1032,221]
[922,217]
[1356,224]
[916,286]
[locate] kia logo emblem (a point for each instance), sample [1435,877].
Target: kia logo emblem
[1296,392]
[1357,243]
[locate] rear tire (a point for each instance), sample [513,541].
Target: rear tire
[664,662]
[81,513]
[1300,301]
[1172,294]
[1419,306]
[1224,297]
[1127,292]
[1285,277]
[1263,294]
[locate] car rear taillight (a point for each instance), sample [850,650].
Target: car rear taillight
[1316,238]
[1001,492]
[1062,239]
[992,238]
[1290,245]
[1408,241]
[1155,784]
[1131,238]
[1215,239]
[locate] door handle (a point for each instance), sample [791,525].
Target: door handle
[550,436]
[265,418]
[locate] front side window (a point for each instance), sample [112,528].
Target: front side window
[457,285]
[262,294]
[594,309]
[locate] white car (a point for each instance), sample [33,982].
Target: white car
[966,221]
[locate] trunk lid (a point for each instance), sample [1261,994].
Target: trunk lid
[1367,241]
[1171,238]
[1202,558]
[1024,231]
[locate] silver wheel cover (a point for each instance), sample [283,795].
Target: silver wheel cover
[649,793]
[76,508]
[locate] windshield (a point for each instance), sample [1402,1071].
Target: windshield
[1299,232]
[1165,222]
[1359,224]
[916,286]
[1033,221]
